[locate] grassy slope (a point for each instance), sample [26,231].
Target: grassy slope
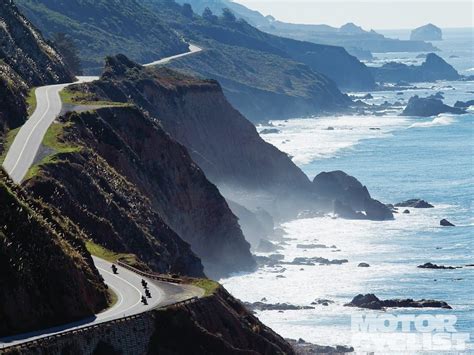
[52,141]
[101,27]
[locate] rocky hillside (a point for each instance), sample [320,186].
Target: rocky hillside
[143,192]
[220,140]
[26,60]
[46,275]
[218,324]
[259,78]
[196,113]
[104,27]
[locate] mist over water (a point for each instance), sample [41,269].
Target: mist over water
[398,158]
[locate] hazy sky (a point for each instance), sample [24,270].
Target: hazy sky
[380,14]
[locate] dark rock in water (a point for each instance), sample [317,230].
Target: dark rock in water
[266,246]
[363,265]
[446,223]
[349,196]
[432,69]
[415,203]
[406,212]
[377,211]
[301,347]
[315,260]
[434,266]
[345,211]
[400,93]
[453,56]
[427,32]
[322,302]
[438,96]
[260,306]
[311,246]
[276,257]
[330,129]
[367,97]
[426,107]
[464,105]
[269,131]
[370,301]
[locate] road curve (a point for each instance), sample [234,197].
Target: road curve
[126,284]
[22,152]
[128,289]
[21,155]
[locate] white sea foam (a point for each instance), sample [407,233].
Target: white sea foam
[309,139]
[437,121]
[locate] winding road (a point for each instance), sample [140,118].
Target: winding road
[128,288]
[22,153]
[126,284]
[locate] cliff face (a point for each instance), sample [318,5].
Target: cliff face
[13,90]
[218,324]
[26,60]
[196,113]
[46,275]
[26,52]
[141,182]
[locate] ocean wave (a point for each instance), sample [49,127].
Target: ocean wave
[438,121]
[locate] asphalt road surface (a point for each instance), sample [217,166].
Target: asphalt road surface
[129,291]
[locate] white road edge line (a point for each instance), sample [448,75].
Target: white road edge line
[33,129]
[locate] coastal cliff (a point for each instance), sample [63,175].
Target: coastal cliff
[145,194]
[47,277]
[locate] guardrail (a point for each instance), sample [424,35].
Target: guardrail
[149,275]
[41,342]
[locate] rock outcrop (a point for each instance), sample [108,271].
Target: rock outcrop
[464,104]
[446,223]
[432,69]
[218,324]
[47,276]
[427,32]
[426,107]
[370,301]
[349,197]
[414,203]
[437,267]
[26,60]
[144,192]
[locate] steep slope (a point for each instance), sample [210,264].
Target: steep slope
[26,52]
[260,79]
[223,143]
[140,182]
[46,274]
[26,60]
[105,27]
[196,113]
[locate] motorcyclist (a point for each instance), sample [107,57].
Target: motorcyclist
[144,301]
[114,269]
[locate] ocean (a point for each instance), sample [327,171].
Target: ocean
[397,158]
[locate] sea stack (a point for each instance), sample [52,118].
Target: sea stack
[427,32]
